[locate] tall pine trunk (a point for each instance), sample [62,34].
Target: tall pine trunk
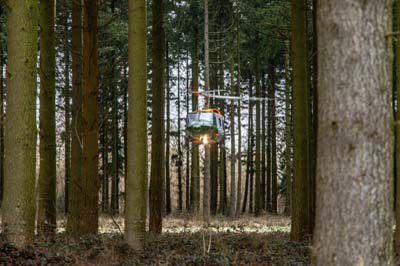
[90,125]
[18,207]
[167,138]
[136,181]
[274,170]
[301,141]
[195,168]
[157,136]
[257,195]
[232,204]
[206,185]
[67,114]
[46,218]
[75,210]
[239,183]
[355,159]
[288,134]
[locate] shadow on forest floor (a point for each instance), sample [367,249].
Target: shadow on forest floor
[244,241]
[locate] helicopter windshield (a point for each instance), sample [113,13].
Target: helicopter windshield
[201,116]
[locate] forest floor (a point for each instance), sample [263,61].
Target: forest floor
[244,241]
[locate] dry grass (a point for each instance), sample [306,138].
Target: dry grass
[185,241]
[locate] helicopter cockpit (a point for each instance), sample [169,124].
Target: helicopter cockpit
[205,126]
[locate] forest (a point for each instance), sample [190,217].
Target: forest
[199,132]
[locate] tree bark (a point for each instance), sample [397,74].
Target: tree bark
[301,141]
[206,186]
[239,184]
[257,195]
[168,129]
[288,134]
[232,204]
[274,168]
[18,207]
[157,136]
[195,168]
[67,114]
[135,211]
[355,141]
[75,210]
[46,219]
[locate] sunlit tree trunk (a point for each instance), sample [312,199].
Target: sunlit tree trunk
[355,137]
[136,187]
[18,209]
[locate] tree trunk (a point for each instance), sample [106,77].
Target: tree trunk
[157,136]
[269,154]
[354,167]
[239,184]
[18,208]
[187,141]
[135,211]
[263,142]
[274,170]
[90,148]
[257,196]
[2,52]
[397,196]
[301,146]
[232,204]
[180,188]
[206,192]
[195,168]
[75,206]
[288,134]
[214,179]
[168,129]
[46,219]
[67,113]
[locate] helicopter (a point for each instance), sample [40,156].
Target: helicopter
[206,125]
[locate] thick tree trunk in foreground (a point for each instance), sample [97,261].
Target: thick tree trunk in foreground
[301,147]
[157,136]
[136,187]
[46,219]
[397,232]
[354,166]
[20,125]
[90,133]
[75,210]
[2,52]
